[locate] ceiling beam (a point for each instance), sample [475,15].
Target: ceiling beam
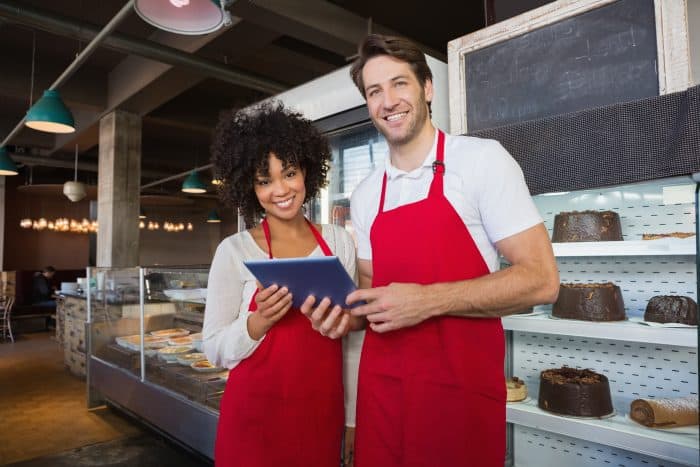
[316,22]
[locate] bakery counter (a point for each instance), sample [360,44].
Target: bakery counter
[679,445]
[632,330]
[174,414]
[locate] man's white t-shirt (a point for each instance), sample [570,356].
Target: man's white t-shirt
[482,181]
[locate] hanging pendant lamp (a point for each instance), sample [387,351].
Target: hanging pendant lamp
[7,165]
[190,17]
[75,190]
[193,184]
[50,114]
[213,217]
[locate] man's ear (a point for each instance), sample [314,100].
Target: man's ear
[428,90]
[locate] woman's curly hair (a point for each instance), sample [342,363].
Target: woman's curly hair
[243,141]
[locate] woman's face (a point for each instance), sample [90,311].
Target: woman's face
[281,192]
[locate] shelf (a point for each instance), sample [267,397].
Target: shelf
[616,431]
[661,247]
[620,330]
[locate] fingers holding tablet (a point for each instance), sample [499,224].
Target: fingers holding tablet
[329,321]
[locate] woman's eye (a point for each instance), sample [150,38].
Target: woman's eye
[261,182]
[291,174]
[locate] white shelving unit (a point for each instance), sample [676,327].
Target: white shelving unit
[630,331]
[617,431]
[640,361]
[661,247]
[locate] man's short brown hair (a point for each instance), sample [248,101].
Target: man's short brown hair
[400,48]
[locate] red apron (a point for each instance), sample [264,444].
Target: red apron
[283,405]
[433,394]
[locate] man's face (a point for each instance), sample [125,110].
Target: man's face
[396,101]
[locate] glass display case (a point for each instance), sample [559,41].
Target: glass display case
[145,350]
[639,358]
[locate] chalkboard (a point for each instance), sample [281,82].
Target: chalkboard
[599,57]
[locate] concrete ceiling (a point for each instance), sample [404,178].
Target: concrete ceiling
[272,45]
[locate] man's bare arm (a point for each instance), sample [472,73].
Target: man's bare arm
[531,279]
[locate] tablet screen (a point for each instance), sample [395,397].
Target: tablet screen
[320,276]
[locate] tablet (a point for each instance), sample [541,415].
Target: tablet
[320,276]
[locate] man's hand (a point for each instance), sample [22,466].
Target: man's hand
[273,303]
[330,322]
[395,306]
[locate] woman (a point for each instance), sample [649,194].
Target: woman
[283,403]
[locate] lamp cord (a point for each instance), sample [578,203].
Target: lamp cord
[75,177]
[31,86]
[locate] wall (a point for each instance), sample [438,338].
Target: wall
[31,249]
[158,247]
[694,33]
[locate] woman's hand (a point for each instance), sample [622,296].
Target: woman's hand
[330,322]
[273,303]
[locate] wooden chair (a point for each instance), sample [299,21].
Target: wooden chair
[6,323]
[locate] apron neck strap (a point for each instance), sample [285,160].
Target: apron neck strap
[317,235]
[438,171]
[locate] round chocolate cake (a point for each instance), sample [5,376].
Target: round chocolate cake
[568,391]
[590,302]
[587,226]
[672,309]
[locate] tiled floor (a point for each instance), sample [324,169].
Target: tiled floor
[43,412]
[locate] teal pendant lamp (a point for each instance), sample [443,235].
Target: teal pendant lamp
[7,165]
[50,114]
[213,217]
[189,17]
[193,184]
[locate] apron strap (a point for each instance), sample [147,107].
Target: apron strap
[436,186]
[438,169]
[317,235]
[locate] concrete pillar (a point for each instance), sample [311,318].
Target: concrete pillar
[3,200]
[119,181]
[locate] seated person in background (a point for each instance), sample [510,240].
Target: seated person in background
[42,290]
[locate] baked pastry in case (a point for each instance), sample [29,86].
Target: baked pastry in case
[516,390]
[590,302]
[569,391]
[665,413]
[587,226]
[671,309]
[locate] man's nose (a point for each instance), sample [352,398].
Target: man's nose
[391,98]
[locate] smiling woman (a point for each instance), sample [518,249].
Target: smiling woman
[271,161]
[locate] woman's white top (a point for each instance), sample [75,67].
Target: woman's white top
[230,290]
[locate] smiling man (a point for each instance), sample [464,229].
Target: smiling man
[430,226]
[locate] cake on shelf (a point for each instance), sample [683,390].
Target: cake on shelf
[516,389]
[672,309]
[648,236]
[587,226]
[590,302]
[665,413]
[581,393]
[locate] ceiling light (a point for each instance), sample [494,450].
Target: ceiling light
[193,184]
[74,190]
[7,165]
[50,114]
[216,181]
[213,217]
[142,214]
[189,17]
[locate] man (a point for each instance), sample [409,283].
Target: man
[430,226]
[42,289]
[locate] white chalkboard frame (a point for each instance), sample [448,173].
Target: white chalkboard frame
[671,38]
